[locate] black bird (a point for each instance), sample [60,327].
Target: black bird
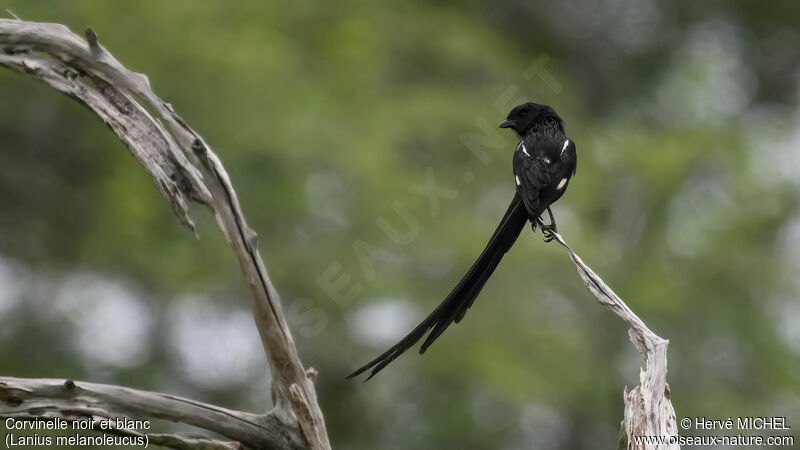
[544,161]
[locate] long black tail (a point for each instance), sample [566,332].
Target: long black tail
[453,308]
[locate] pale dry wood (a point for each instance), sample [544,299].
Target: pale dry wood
[648,409]
[77,400]
[184,168]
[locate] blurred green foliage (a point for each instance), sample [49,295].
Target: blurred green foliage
[325,113]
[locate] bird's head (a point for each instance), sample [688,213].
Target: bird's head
[528,115]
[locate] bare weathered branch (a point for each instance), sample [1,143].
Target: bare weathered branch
[648,409]
[183,167]
[74,400]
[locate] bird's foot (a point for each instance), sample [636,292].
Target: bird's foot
[547,229]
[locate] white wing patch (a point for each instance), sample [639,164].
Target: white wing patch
[566,143]
[561,184]
[516,177]
[525,150]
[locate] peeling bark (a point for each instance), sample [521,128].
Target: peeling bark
[184,168]
[648,409]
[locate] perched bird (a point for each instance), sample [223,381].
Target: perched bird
[544,161]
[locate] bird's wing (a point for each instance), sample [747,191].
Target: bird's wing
[532,174]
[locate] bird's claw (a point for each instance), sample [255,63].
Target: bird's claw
[547,230]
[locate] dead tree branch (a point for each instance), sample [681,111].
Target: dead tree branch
[70,400]
[648,409]
[184,168]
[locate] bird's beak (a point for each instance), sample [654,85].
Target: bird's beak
[507,124]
